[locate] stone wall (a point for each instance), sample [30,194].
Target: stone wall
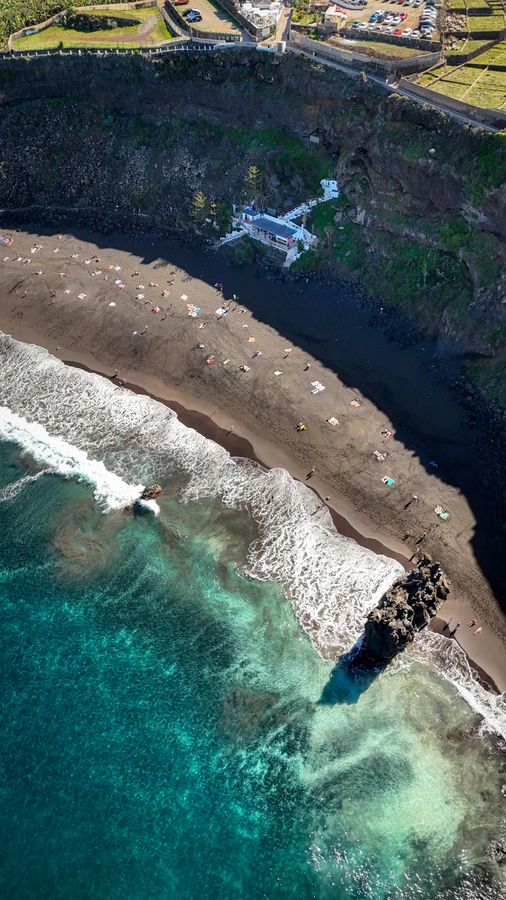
[494,117]
[361,61]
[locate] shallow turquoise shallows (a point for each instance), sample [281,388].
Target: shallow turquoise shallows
[170,731]
[162,733]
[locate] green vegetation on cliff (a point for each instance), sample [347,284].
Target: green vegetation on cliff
[420,223]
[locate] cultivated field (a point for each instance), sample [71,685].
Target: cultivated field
[473,84]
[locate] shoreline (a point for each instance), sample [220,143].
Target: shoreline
[238,445]
[165,365]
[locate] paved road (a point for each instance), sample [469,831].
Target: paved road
[395,88]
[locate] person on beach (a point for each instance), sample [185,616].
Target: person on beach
[310,473]
[414,499]
[454,632]
[307,366]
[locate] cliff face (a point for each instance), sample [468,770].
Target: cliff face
[171,142]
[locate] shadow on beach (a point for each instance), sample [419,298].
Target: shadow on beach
[330,323]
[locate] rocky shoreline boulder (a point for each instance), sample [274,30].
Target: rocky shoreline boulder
[152,492]
[406,608]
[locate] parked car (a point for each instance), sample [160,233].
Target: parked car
[417,3]
[356,24]
[194,17]
[397,32]
[415,33]
[188,12]
[388,29]
[403,16]
[180,2]
[407,32]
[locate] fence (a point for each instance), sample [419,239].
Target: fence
[174,46]
[361,61]
[494,117]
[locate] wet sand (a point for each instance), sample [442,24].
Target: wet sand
[254,413]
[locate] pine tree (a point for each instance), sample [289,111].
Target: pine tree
[198,207]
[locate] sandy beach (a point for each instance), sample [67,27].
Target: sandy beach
[246,371]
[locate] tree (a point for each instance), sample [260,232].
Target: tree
[198,207]
[254,184]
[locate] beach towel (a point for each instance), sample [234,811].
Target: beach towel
[355,403]
[6,240]
[380,456]
[333,421]
[317,387]
[388,480]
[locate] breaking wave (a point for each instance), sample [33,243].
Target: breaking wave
[330,580]
[12,490]
[110,491]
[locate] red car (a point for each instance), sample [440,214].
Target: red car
[180,2]
[397,31]
[403,15]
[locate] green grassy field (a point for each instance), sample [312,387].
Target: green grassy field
[131,36]
[467,4]
[468,83]
[16,14]
[380,48]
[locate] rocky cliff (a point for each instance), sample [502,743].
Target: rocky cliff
[171,143]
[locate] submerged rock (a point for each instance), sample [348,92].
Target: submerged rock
[152,492]
[407,607]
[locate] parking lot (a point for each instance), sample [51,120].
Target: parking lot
[214,18]
[407,11]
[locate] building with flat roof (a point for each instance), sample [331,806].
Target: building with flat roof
[273,231]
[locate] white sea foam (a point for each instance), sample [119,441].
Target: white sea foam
[110,491]
[331,581]
[12,490]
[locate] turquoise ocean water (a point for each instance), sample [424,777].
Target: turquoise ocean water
[169,728]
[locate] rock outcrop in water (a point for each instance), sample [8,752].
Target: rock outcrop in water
[404,610]
[152,492]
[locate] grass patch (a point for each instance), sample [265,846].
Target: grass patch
[322,216]
[380,48]
[468,83]
[129,36]
[16,14]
